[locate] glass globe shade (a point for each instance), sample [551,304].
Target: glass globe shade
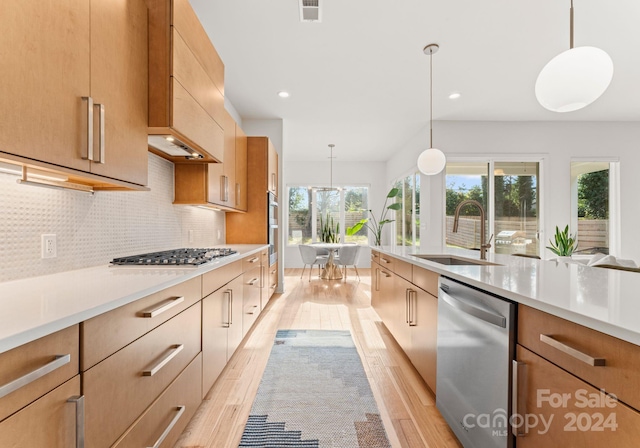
[431,161]
[574,79]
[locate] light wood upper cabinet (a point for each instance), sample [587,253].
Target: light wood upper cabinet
[241,169]
[49,70]
[222,176]
[186,82]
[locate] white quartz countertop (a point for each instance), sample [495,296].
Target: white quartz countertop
[606,300]
[34,307]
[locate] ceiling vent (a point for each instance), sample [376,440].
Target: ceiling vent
[310,10]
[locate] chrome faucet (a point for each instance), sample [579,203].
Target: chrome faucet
[484,245]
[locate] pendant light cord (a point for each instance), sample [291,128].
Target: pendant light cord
[571,25]
[431,100]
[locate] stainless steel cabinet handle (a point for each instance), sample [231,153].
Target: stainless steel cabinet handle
[377,279]
[384,260]
[175,349]
[406,305]
[253,309]
[487,316]
[222,192]
[89,101]
[580,356]
[162,307]
[59,361]
[252,281]
[254,259]
[274,286]
[412,295]
[172,423]
[101,137]
[518,397]
[262,276]
[78,400]
[227,324]
[226,188]
[386,274]
[230,306]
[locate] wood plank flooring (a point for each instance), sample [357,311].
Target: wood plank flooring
[406,405]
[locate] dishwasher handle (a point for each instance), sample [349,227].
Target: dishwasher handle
[487,316]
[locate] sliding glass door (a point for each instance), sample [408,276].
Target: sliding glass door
[508,192]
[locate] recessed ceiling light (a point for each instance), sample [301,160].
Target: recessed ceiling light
[283,94]
[454,96]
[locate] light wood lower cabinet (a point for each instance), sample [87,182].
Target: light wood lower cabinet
[163,422]
[118,389]
[47,422]
[273,280]
[423,324]
[251,297]
[221,329]
[55,355]
[564,411]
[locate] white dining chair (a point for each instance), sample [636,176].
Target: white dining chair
[311,257]
[348,256]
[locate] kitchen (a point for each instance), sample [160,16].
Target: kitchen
[92,230]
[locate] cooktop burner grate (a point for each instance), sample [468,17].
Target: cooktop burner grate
[185,256]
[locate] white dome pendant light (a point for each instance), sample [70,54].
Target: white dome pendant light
[431,161]
[575,78]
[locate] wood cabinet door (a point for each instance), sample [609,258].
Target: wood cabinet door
[241,169]
[400,309]
[423,321]
[273,169]
[250,298]
[47,422]
[215,330]
[235,329]
[222,176]
[264,273]
[119,82]
[564,411]
[45,73]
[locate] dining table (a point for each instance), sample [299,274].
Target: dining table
[331,271]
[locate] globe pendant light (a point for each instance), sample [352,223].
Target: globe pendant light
[575,78]
[431,161]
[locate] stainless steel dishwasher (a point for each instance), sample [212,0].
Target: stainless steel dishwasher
[476,343]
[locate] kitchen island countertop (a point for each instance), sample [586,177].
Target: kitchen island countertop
[606,300]
[34,307]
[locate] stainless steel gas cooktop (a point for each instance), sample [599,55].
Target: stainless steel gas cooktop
[185,256]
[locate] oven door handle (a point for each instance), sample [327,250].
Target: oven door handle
[487,316]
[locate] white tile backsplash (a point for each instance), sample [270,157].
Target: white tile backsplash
[93,229]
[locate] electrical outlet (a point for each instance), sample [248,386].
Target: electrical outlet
[191,236]
[49,246]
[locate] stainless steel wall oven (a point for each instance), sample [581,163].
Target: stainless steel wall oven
[272,230]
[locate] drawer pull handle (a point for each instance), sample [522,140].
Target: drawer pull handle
[175,349]
[79,402]
[252,281]
[384,260]
[274,286]
[253,309]
[386,274]
[172,423]
[599,362]
[30,377]
[253,260]
[518,395]
[163,306]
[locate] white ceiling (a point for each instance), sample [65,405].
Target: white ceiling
[359,78]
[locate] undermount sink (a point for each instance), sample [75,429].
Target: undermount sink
[453,260]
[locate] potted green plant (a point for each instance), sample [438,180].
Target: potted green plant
[329,232]
[564,244]
[375,226]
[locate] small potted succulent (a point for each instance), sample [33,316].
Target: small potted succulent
[564,244]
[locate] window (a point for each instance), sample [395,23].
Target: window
[308,205]
[407,218]
[508,191]
[593,187]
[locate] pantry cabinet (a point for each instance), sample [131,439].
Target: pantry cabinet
[74,90]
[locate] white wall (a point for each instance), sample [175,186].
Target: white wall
[371,174]
[558,142]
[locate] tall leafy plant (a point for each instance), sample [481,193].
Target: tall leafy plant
[564,244]
[329,232]
[376,225]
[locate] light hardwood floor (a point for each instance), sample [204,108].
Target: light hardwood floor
[406,405]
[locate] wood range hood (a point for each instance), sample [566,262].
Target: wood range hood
[186,86]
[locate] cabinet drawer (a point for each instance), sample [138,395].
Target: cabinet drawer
[402,268]
[120,388]
[190,119]
[107,333]
[173,410]
[426,280]
[48,422]
[31,357]
[216,279]
[621,358]
[194,79]
[547,392]
[250,298]
[250,262]
[273,278]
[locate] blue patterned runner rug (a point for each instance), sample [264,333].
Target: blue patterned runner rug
[314,394]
